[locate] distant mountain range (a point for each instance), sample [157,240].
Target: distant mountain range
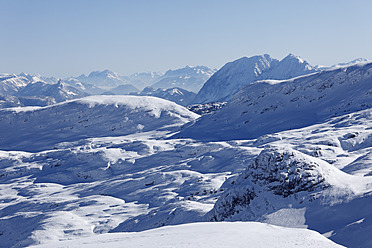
[185,86]
[188,78]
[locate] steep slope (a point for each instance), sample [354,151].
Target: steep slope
[190,78]
[11,83]
[95,116]
[177,95]
[271,106]
[237,74]
[289,67]
[205,235]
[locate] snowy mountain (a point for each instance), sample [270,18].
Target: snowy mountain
[237,74]
[124,89]
[270,105]
[177,95]
[11,83]
[103,79]
[190,78]
[31,90]
[143,79]
[292,154]
[59,91]
[84,87]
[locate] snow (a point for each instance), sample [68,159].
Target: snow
[84,171]
[235,75]
[177,95]
[248,234]
[267,107]
[190,78]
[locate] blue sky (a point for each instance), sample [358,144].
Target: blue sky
[63,38]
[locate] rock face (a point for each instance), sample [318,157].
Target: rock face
[237,74]
[270,106]
[206,108]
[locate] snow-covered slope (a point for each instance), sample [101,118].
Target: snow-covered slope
[285,187]
[177,95]
[353,62]
[206,235]
[271,106]
[95,116]
[190,78]
[145,180]
[237,74]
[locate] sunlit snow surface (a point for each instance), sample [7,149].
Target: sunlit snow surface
[120,171]
[206,235]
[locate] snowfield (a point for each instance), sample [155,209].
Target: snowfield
[206,235]
[81,172]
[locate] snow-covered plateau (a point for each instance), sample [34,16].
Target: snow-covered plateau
[206,235]
[290,158]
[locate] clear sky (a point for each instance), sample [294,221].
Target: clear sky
[69,37]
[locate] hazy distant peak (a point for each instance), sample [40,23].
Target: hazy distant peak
[353,62]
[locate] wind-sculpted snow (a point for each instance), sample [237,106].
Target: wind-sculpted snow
[92,186]
[285,187]
[271,106]
[206,235]
[94,116]
[119,169]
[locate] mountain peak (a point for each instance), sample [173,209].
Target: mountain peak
[292,56]
[237,74]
